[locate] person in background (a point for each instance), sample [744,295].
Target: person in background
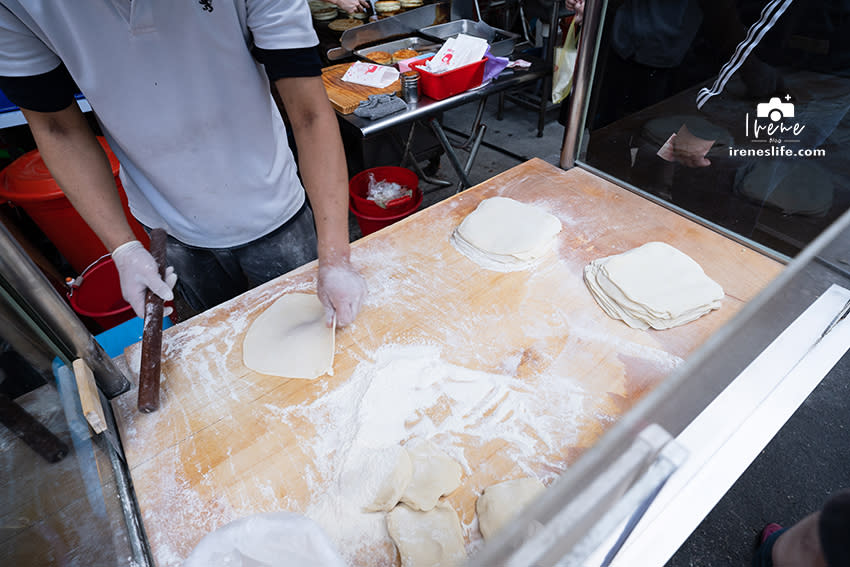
[577,6]
[352,6]
[182,93]
[821,539]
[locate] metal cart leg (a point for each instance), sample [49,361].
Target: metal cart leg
[453,158]
[407,155]
[473,131]
[479,135]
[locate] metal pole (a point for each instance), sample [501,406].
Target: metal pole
[54,317]
[590,35]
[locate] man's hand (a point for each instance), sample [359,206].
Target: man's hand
[690,150]
[341,290]
[138,272]
[687,149]
[576,6]
[352,6]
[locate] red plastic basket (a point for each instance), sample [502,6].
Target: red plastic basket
[451,82]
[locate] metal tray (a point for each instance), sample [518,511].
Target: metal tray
[501,42]
[416,43]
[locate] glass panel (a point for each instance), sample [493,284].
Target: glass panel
[59,501]
[764,157]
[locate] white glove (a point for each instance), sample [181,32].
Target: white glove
[341,290]
[138,272]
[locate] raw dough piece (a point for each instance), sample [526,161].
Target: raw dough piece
[654,285]
[427,539]
[290,339]
[434,474]
[505,235]
[394,484]
[501,502]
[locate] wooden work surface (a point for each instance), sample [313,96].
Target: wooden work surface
[345,97]
[557,371]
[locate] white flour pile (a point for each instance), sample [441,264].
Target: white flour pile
[382,405]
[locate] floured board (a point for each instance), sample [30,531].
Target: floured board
[345,97]
[510,373]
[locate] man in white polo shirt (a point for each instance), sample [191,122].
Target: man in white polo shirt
[181,89]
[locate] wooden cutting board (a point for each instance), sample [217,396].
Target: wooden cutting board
[344,96]
[552,370]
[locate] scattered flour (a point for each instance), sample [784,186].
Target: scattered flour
[381,406]
[400,391]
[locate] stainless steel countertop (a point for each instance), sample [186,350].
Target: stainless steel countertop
[427,107]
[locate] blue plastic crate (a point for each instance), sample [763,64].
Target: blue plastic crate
[116,339]
[5,104]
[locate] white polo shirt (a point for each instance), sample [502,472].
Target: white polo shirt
[181,100]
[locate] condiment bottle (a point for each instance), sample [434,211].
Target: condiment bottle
[410,86]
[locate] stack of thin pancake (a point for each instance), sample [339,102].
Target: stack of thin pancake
[654,285]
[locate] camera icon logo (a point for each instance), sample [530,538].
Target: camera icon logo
[776,110]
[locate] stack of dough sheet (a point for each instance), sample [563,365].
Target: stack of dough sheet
[654,285]
[505,235]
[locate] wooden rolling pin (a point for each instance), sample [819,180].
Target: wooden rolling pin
[149,371]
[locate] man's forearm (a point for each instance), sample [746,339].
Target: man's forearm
[321,161]
[80,167]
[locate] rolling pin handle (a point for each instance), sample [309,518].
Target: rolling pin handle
[149,372]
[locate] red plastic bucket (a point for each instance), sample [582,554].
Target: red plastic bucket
[372,217]
[98,295]
[27,183]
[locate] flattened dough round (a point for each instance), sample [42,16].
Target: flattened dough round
[427,539]
[290,339]
[434,474]
[506,235]
[501,502]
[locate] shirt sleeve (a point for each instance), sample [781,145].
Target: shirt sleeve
[281,24]
[45,92]
[22,53]
[283,63]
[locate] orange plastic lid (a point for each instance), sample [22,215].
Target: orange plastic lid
[27,180]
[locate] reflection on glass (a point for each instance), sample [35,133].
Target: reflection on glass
[58,501]
[732,110]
